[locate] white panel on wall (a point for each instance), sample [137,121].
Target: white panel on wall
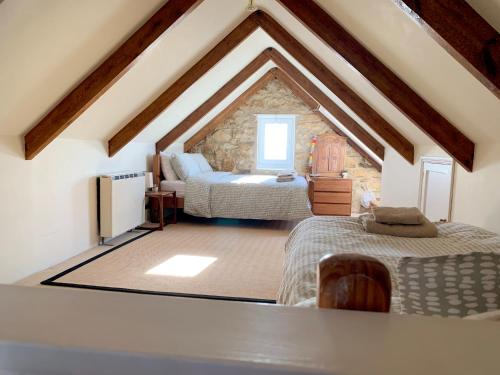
[436,188]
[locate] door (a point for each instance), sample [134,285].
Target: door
[436,188]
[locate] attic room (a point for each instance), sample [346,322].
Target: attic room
[234,175]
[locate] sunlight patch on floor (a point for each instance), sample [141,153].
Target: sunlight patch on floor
[182,266]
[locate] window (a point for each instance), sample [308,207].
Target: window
[275,141]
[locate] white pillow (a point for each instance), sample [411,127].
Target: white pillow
[166,167]
[202,163]
[185,165]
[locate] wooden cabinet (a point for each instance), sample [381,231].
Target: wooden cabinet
[330,195]
[328,155]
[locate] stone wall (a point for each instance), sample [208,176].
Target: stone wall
[232,146]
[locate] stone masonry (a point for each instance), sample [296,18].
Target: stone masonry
[232,146]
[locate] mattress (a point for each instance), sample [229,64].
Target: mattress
[178,186]
[315,237]
[227,195]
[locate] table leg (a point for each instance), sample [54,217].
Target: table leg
[161,212]
[174,221]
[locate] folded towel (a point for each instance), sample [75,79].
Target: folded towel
[287,173]
[398,215]
[424,230]
[285,178]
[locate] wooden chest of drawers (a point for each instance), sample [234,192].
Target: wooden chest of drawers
[330,195]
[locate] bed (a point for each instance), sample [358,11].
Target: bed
[206,193]
[228,195]
[315,237]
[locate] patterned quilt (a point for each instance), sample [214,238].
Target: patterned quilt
[227,195]
[315,237]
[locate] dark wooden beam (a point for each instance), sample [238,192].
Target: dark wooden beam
[463,32]
[298,91]
[334,84]
[300,53]
[210,103]
[139,122]
[295,80]
[314,106]
[337,112]
[389,84]
[281,61]
[212,124]
[309,100]
[108,72]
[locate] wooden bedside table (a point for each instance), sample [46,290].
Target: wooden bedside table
[159,195]
[330,195]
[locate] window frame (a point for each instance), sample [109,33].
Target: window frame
[275,165]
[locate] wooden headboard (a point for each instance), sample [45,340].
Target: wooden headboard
[157,174]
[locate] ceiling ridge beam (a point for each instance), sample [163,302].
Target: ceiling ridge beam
[389,84]
[102,78]
[211,102]
[212,124]
[298,90]
[311,91]
[350,124]
[309,100]
[299,52]
[158,105]
[468,37]
[352,100]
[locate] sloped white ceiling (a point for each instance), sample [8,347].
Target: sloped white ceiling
[395,39]
[422,63]
[149,77]
[51,45]
[48,46]
[489,10]
[171,56]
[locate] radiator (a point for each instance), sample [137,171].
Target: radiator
[121,202]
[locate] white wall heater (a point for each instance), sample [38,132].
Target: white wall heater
[121,202]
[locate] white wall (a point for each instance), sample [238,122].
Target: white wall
[476,198]
[477,194]
[400,179]
[48,205]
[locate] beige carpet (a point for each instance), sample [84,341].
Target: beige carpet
[239,259]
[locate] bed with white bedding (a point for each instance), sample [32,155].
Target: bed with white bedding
[313,238]
[228,195]
[206,193]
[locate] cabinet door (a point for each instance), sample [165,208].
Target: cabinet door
[329,154]
[322,155]
[336,151]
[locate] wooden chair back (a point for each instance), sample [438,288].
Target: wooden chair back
[353,282]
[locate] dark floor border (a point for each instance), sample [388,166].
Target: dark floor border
[52,282]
